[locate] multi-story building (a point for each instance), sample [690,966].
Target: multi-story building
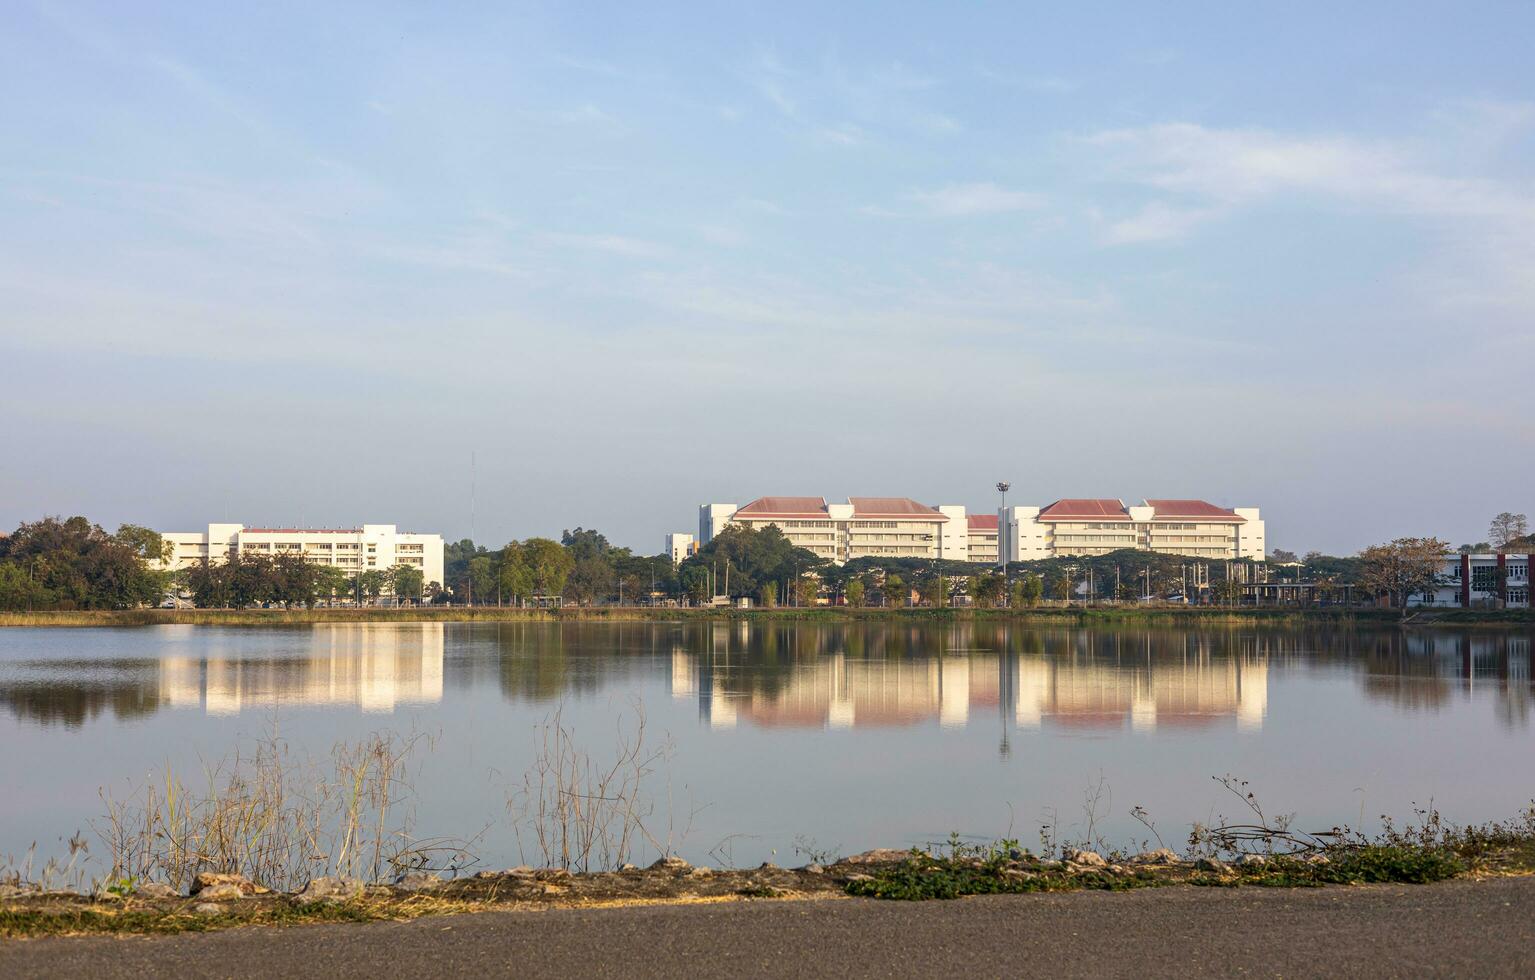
[372,546]
[680,546]
[1480,580]
[864,527]
[1085,527]
[983,538]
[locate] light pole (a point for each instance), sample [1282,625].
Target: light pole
[1002,556]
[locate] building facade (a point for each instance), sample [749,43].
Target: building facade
[680,546]
[1086,527]
[982,532]
[370,547]
[864,527]
[1467,581]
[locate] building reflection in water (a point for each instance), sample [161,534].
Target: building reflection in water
[1029,678]
[372,667]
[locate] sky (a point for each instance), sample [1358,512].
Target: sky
[506,269]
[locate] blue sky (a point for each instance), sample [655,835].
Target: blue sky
[297,263]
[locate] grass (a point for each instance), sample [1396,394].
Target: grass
[1042,615]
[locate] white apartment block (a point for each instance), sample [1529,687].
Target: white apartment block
[1086,527]
[372,546]
[1497,580]
[864,527]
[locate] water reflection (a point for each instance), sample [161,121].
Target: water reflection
[771,676]
[371,667]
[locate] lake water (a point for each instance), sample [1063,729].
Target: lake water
[841,736]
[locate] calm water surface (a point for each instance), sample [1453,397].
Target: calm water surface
[847,736]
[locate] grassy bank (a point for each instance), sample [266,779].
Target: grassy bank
[1044,616]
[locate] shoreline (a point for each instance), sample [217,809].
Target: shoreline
[223,901]
[1042,616]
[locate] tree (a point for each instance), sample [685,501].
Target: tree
[406,582]
[896,590]
[1401,569]
[854,592]
[74,564]
[807,588]
[694,580]
[550,563]
[482,576]
[1063,586]
[768,594]
[1507,527]
[513,576]
[1033,588]
[1281,557]
[372,582]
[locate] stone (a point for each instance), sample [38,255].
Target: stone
[700,872]
[1252,860]
[1213,865]
[1317,859]
[860,877]
[14,890]
[551,874]
[813,869]
[767,866]
[212,879]
[880,855]
[488,875]
[155,889]
[330,889]
[208,908]
[521,871]
[1086,859]
[418,881]
[1161,855]
[221,893]
[670,863]
[626,866]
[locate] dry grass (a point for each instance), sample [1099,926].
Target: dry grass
[276,818]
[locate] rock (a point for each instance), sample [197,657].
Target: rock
[1086,859]
[670,863]
[813,869]
[880,855]
[329,889]
[626,866]
[551,874]
[1161,855]
[1018,875]
[521,871]
[700,872]
[208,908]
[212,879]
[1252,860]
[860,877]
[1213,865]
[13,890]
[418,881]
[767,866]
[221,893]
[155,889]
[488,875]
[1317,859]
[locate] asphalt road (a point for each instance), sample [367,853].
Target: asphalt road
[1456,929]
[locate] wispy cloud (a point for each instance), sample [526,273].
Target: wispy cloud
[1216,171]
[958,200]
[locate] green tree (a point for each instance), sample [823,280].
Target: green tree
[768,594]
[406,582]
[550,564]
[482,577]
[1063,586]
[373,582]
[854,592]
[896,590]
[513,575]
[1402,568]
[1033,587]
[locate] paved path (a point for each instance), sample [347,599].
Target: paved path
[1456,929]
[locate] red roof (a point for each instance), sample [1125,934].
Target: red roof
[784,507]
[892,507]
[1079,508]
[983,522]
[1192,509]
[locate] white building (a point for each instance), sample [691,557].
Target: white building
[1497,580]
[679,546]
[1086,527]
[372,546]
[864,527]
